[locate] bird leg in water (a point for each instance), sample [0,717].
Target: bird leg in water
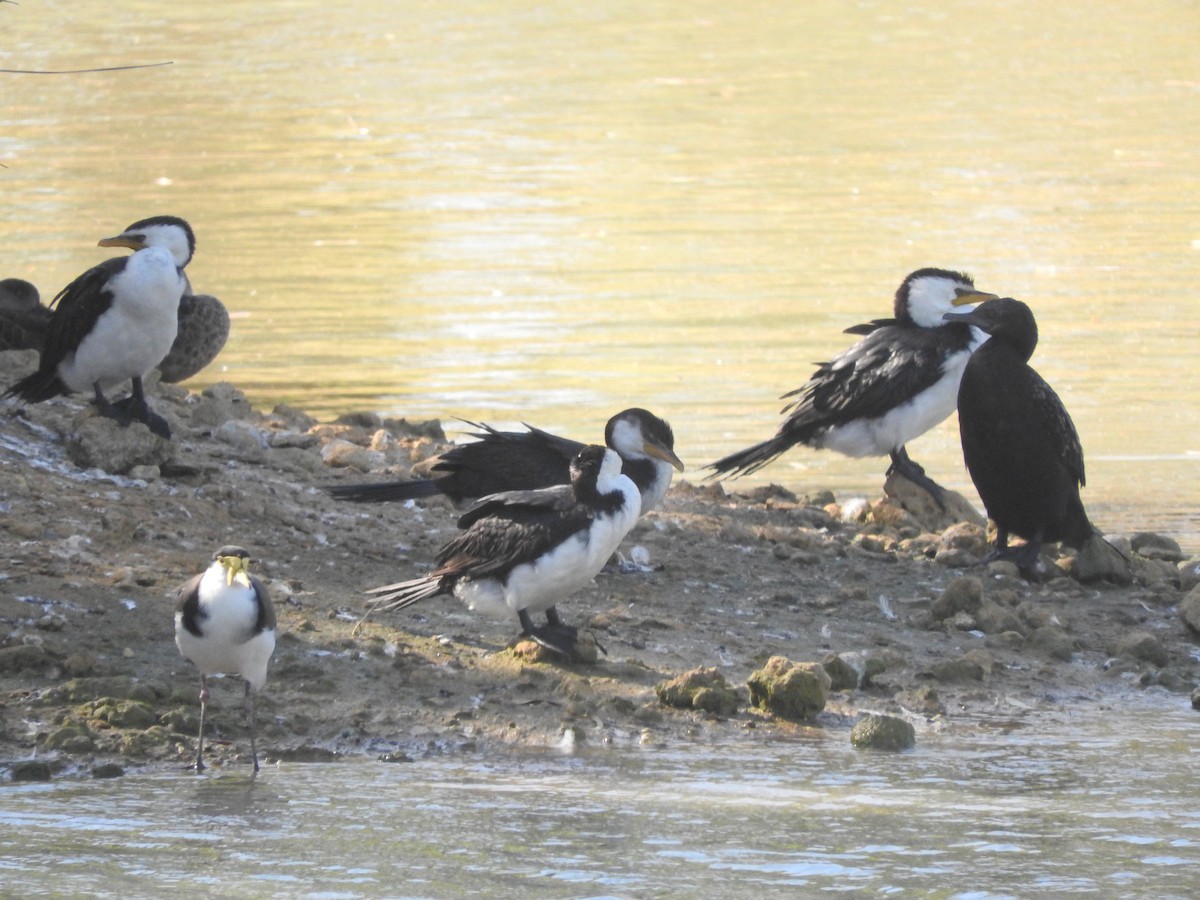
[135,407]
[203,708]
[248,706]
[556,636]
[902,465]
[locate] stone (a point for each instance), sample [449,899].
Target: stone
[1189,611]
[1052,641]
[1156,546]
[879,732]
[1099,560]
[965,668]
[1142,646]
[31,770]
[23,657]
[922,699]
[992,618]
[98,442]
[960,595]
[789,690]
[704,689]
[842,675]
[926,511]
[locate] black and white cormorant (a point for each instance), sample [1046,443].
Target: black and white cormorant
[225,623]
[895,384]
[528,460]
[116,322]
[1019,443]
[523,551]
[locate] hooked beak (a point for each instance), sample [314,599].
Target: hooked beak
[666,454]
[131,241]
[970,298]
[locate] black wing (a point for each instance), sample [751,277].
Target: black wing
[77,307]
[887,368]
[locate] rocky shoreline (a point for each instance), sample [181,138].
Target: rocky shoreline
[100,525]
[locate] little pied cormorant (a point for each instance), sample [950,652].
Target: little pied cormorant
[523,551]
[116,322]
[225,623]
[528,460]
[1018,441]
[895,384]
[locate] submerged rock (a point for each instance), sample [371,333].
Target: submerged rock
[877,732]
[789,690]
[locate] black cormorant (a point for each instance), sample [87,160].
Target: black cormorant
[1018,441]
[523,551]
[895,384]
[225,623]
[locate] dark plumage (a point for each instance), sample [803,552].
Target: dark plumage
[116,322]
[895,384]
[23,319]
[528,460]
[1018,441]
[523,551]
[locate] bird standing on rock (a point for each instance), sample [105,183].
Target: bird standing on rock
[528,460]
[225,623]
[523,551]
[895,384]
[1018,441]
[116,322]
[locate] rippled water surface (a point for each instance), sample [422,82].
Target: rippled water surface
[548,212]
[1106,807]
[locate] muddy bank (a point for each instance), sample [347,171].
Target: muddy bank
[99,526]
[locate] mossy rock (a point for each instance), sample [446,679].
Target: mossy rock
[125,713]
[790,690]
[876,732]
[72,738]
[704,689]
[842,675]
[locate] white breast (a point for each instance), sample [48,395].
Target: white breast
[136,333]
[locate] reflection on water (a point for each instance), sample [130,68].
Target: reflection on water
[1099,806]
[615,205]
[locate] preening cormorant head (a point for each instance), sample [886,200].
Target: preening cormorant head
[636,433]
[591,465]
[169,232]
[1008,321]
[926,295]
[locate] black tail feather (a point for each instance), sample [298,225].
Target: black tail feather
[37,387]
[744,462]
[385,491]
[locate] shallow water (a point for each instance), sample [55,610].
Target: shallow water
[549,212]
[1106,806]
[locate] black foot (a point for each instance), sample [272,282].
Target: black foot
[135,409]
[905,467]
[1026,557]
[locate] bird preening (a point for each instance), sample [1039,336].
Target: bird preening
[521,552]
[889,388]
[225,624]
[116,322]
[1018,441]
[527,460]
